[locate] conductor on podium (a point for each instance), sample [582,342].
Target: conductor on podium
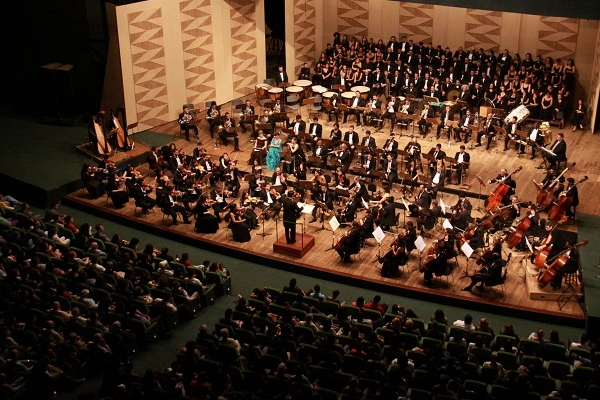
[291,211]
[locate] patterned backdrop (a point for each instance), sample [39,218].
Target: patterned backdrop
[557,37]
[304,33]
[353,17]
[148,63]
[483,29]
[243,15]
[198,59]
[416,22]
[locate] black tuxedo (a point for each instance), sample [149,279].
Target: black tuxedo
[463,128]
[184,119]
[152,159]
[460,166]
[359,102]
[446,115]
[291,211]
[301,127]
[368,141]
[247,110]
[390,113]
[560,149]
[281,77]
[393,150]
[487,130]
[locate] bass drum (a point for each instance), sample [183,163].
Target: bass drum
[453,95]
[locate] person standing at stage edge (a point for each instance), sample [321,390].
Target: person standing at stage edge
[291,211]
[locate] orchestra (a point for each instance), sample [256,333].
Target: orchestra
[197,186]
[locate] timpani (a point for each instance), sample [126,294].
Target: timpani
[318,89]
[364,91]
[327,98]
[295,91]
[305,85]
[347,96]
[275,93]
[261,91]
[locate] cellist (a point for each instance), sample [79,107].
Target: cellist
[504,178]
[551,243]
[571,191]
[570,267]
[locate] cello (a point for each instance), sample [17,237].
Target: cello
[123,141]
[547,196]
[103,146]
[546,276]
[542,255]
[515,237]
[558,209]
[497,196]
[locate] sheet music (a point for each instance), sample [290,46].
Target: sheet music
[306,208]
[420,244]
[379,234]
[334,223]
[405,205]
[365,204]
[528,244]
[467,250]
[447,224]
[443,205]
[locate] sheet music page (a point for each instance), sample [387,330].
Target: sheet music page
[379,234]
[420,244]
[467,250]
[334,223]
[447,224]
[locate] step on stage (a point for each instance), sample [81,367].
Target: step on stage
[302,246]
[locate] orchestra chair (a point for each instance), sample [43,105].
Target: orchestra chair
[561,164]
[316,107]
[137,205]
[270,82]
[502,280]
[234,104]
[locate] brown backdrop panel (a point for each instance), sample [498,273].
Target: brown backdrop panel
[148,62]
[243,46]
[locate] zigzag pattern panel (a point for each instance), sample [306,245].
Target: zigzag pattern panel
[148,63]
[353,17]
[416,21]
[304,32]
[557,37]
[594,90]
[198,49]
[483,29]
[243,46]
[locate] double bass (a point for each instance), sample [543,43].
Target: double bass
[546,276]
[497,196]
[542,255]
[558,209]
[103,146]
[547,196]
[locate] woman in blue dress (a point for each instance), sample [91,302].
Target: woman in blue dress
[273,154]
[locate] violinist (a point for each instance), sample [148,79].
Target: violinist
[462,159]
[140,195]
[461,215]
[224,161]
[176,160]
[270,201]
[205,221]
[218,195]
[341,181]
[347,214]
[366,225]
[462,202]
[170,207]
[491,273]
[237,223]
[351,244]
[132,176]
[279,179]
[359,188]
[325,196]
[422,201]
[255,184]
[385,214]
[318,180]
[428,217]
[571,191]
[248,203]
[154,160]
[210,167]
[435,262]
[395,257]
[92,181]
[232,178]
[300,172]
[182,179]
[476,241]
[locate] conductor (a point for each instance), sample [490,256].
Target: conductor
[291,211]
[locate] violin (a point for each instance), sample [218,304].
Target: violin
[433,253]
[497,196]
[343,238]
[559,209]
[397,242]
[546,276]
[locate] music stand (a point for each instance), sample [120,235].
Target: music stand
[481,183]
[263,234]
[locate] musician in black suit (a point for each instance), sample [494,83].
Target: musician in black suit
[370,163]
[142,200]
[390,113]
[351,136]
[422,201]
[572,192]
[438,179]
[368,140]
[462,162]
[378,82]
[351,243]
[427,113]
[320,151]
[270,201]
[463,127]
[298,126]
[356,101]
[344,156]
[247,110]
[428,217]
[211,117]
[153,158]
[438,157]
[535,138]
[281,76]
[184,123]
[446,117]
[304,73]
[488,130]
[390,168]
[171,208]
[347,213]
[511,134]
[490,274]
[224,135]
[391,146]
[559,148]
[315,130]
[291,211]
[323,195]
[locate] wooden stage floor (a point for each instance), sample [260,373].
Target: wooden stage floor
[365,270]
